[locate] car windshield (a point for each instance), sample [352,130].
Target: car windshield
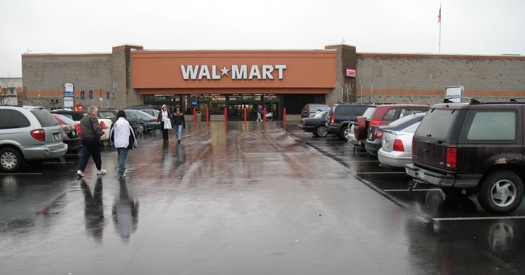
[65,119]
[404,119]
[369,112]
[412,128]
[321,114]
[107,114]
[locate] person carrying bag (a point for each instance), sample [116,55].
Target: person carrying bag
[122,137]
[165,122]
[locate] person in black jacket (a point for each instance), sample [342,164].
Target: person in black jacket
[178,122]
[164,119]
[91,134]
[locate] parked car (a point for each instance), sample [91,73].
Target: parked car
[378,115]
[375,133]
[149,122]
[74,115]
[137,126]
[71,132]
[105,123]
[473,148]
[315,124]
[396,149]
[153,112]
[309,110]
[28,134]
[340,115]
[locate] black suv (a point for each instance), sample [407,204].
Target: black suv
[341,115]
[473,148]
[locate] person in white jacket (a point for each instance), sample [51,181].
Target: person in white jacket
[123,139]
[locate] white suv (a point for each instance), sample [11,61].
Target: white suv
[29,134]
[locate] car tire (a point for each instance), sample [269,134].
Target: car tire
[10,160]
[321,131]
[501,192]
[342,133]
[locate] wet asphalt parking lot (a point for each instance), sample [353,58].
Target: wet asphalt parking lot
[245,198]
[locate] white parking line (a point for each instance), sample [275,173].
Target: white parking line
[378,173]
[413,190]
[19,174]
[479,218]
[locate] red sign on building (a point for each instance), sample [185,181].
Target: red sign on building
[349,72]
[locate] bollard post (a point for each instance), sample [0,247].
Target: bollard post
[245,118]
[284,119]
[225,114]
[264,114]
[207,115]
[194,115]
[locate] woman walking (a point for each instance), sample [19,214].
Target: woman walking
[165,123]
[179,122]
[91,134]
[123,139]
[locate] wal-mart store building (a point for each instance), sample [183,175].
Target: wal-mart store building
[237,79]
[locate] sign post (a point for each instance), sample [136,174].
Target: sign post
[69,95]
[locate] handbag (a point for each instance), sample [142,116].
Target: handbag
[167,124]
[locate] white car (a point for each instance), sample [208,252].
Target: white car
[396,149]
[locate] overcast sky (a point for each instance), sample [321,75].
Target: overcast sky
[470,27]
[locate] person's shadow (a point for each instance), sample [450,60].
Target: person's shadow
[125,212]
[94,209]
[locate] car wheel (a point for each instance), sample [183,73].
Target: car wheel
[10,160]
[501,192]
[342,133]
[321,131]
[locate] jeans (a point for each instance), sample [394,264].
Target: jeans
[90,147]
[122,155]
[178,133]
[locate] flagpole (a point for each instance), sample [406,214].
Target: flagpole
[439,18]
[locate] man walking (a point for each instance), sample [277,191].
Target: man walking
[91,134]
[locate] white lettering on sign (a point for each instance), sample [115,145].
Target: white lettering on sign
[238,72]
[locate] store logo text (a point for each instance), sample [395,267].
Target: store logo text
[238,72]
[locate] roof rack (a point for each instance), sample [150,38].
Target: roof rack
[472,100]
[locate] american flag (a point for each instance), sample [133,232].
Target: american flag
[439,15]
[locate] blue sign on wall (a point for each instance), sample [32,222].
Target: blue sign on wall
[82,95]
[90,94]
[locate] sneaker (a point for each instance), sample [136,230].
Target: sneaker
[80,174]
[101,172]
[122,176]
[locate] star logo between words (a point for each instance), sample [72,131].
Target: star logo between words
[224,71]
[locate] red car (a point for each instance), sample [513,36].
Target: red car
[378,115]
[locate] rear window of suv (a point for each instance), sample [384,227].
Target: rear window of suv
[442,121]
[45,118]
[13,119]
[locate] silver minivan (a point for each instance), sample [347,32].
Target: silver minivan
[28,134]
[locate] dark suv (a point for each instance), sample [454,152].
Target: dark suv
[473,148]
[341,115]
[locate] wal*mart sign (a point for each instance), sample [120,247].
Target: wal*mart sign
[236,72]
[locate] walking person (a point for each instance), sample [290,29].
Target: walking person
[123,139]
[91,134]
[165,122]
[178,122]
[259,113]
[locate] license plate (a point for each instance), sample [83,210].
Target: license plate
[421,175]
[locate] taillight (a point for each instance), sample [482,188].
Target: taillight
[333,119]
[39,134]
[103,125]
[154,120]
[452,154]
[378,133]
[374,122]
[398,145]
